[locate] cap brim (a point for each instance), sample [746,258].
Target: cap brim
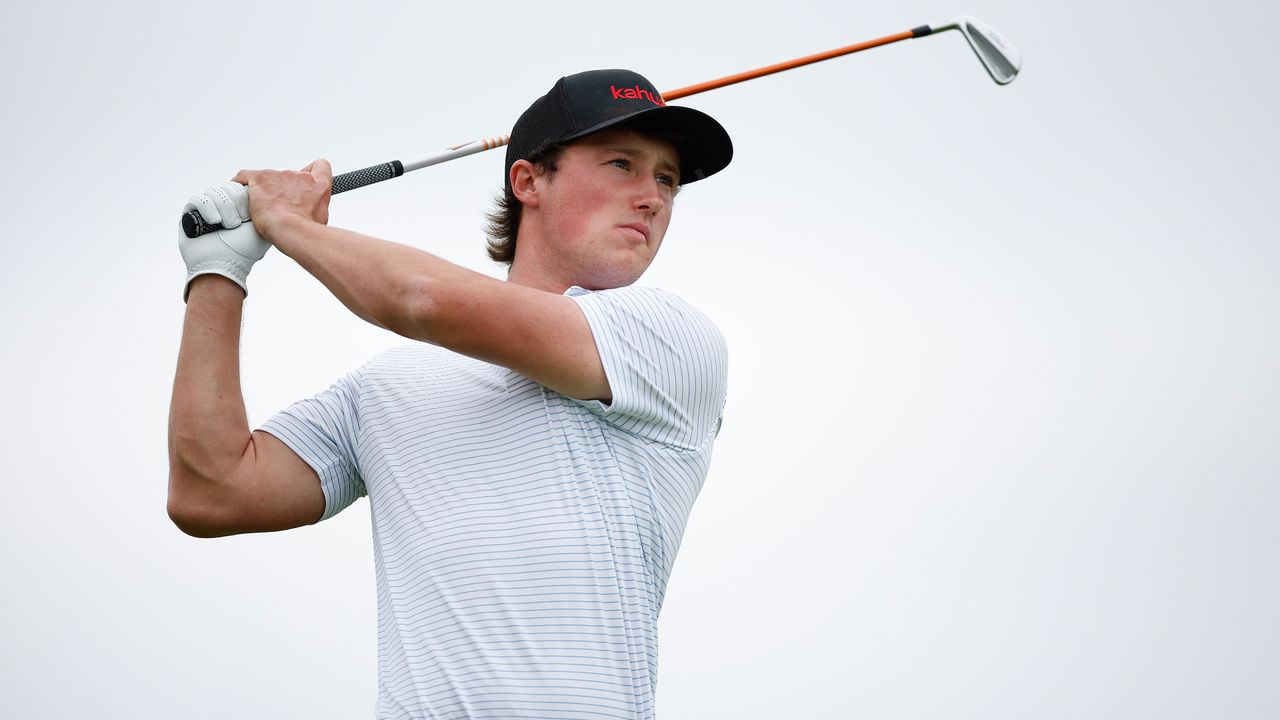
[704,146]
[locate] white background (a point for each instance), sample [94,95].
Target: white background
[1002,438]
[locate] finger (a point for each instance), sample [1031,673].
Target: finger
[321,170]
[226,206]
[206,207]
[244,177]
[240,197]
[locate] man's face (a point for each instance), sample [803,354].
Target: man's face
[607,206]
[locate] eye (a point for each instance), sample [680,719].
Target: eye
[667,180]
[621,163]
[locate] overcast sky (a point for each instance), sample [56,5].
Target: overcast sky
[1003,434]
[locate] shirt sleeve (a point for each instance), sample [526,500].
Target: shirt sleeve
[324,431]
[667,364]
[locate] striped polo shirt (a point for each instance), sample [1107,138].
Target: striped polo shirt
[523,539]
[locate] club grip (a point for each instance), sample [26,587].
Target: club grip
[194,225]
[367,176]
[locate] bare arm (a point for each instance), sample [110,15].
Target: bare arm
[223,479]
[541,335]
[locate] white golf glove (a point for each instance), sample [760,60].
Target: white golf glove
[229,252]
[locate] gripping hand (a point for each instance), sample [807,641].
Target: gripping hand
[229,252]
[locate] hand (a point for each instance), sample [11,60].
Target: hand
[280,195]
[229,252]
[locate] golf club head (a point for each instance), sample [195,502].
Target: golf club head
[1001,59]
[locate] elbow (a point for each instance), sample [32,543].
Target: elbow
[185,521]
[195,513]
[191,523]
[441,307]
[422,303]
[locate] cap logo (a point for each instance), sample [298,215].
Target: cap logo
[636,93]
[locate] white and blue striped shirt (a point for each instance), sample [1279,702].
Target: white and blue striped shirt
[523,539]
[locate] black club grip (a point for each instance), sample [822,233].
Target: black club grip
[193,224]
[367,176]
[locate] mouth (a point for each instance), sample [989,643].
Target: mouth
[639,229]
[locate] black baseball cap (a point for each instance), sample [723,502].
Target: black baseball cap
[588,102]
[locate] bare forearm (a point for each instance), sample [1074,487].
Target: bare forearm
[396,287]
[208,426]
[540,334]
[387,284]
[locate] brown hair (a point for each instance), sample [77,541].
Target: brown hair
[502,223]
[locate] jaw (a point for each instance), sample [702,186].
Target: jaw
[593,269]
[608,271]
[596,258]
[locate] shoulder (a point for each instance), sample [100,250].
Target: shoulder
[631,294]
[655,307]
[666,362]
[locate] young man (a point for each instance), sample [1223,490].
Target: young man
[531,464]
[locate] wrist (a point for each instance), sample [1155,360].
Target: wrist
[214,288]
[279,228]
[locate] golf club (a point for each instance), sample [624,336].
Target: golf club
[1001,60]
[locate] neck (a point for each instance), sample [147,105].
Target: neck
[533,266]
[525,272]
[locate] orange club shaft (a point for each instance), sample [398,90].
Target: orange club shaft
[788,65]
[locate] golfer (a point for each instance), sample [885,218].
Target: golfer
[531,462]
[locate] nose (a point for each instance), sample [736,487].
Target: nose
[649,197]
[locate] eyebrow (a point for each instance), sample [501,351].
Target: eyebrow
[663,163]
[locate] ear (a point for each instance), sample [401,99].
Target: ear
[523,185]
